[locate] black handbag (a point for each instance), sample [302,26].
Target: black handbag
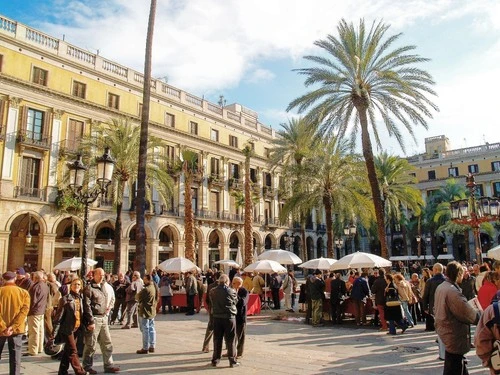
[392,300]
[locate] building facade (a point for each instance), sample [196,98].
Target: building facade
[52,93]
[440,163]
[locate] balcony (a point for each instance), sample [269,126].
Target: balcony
[236,184]
[216,180]
[204,215]
[69,147]
[268,192]
[29,193]
[271,222]
[34,140]
[321,228]
[256,188]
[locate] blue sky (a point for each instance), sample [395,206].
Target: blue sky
[246,49]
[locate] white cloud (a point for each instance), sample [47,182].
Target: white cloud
[208,46]
[260,75]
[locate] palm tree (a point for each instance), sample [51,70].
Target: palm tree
[189,167]
[248,152]
[294,143]
[123,139]
[336,180]
[360,79]
[399,193]
[140,250]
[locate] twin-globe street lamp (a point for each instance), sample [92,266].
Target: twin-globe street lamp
[473,211]
[350,233]
[88,195]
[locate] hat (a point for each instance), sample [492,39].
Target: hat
[317,272]
[21,271]
[9,275]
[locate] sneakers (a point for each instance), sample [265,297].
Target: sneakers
[234,364]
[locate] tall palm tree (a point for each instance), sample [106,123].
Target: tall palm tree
[189,167]
[294,143]
[336,180]
[399,193]
[248,152]
[361,78]
[123,139]
[140,249]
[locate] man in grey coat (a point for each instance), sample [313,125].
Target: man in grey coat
[453,316]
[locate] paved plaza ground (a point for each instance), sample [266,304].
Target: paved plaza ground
[272,347]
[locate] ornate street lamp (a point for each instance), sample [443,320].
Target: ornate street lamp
[474,211]
[88,195]
[339,242]
[28,235]
[350,233]
[418,238]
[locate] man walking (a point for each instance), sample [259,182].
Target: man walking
[241,315]
[39,295]
[224,310]
[120,286]
[148,299]
[428,302]
[453,316]
[14,307]
[378,289]
[98,301]
[131,310]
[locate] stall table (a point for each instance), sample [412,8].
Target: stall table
[254,304]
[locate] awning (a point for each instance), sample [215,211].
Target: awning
[422,257]
[400,257]
[446,256]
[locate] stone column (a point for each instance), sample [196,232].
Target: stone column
[179,247]
[4,244]
[46,251]
[152,254]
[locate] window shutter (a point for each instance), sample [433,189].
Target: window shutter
[47,124]
[23,117]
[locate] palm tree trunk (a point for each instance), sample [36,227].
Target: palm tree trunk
[118,238]
[140,249]
[248,214]
[372,177]
[303,235]
[188,216]
[327,202]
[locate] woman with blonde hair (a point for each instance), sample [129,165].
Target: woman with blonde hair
[405,296]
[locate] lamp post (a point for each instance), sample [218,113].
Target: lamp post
[473,211]
[350,232]
[88,195]
[419,239]
[339,242]
[428,239]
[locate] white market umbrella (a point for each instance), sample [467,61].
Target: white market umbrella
[177,265]
[280,256]
[239,257]
[318,264]
[494,253]
[227,262]
[360,260]
[265,266]
[73,264]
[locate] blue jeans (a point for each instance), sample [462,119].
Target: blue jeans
[147,327]
[406,310]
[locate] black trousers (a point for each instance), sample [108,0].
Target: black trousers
[190,303]
[120,305]
[336,311]
[455,364]
[14,344]
[241,329]
[276,298]
[224,329]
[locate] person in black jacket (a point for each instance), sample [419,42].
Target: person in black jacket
[120,286]
[241,314]
[337,291]
[378,289]
[224,299]
[67,323]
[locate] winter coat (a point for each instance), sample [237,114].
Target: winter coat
[453,317]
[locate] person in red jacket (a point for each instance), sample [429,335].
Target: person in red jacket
[488,290]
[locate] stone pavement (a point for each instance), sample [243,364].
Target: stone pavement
[272,347]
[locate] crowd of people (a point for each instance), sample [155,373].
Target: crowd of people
[56,308]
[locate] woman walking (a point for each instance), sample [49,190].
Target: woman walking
[393,314]
[67,325]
